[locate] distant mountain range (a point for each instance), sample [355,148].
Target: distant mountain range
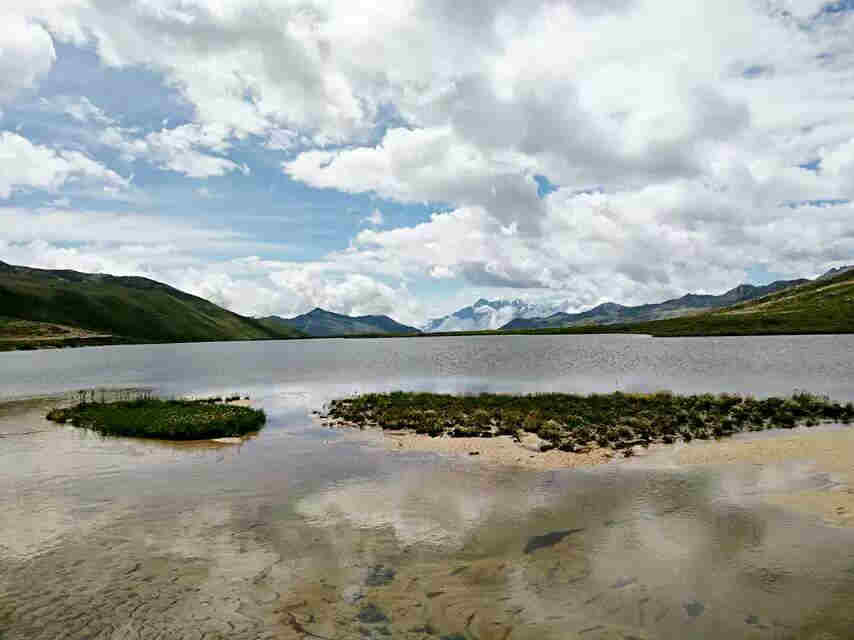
[611,313]
[484,315]
[42,307]
[322,323]
[129,309]
[823,305]
[511,315]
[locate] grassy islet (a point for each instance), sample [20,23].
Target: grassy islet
[163,419]
[577,423]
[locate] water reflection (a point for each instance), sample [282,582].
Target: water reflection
[305,532]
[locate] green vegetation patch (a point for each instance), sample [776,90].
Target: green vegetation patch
[164,419]
[578,422]
[139,309]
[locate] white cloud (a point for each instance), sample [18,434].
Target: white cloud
[80,108]
[375,218]
[675,131]
[629,247]
[283,139]
[107,229]
[24,165]
[424,165]
[181,149]
[179,253]
[26,53]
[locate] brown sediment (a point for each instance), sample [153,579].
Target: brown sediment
[502,450]
[497,450]
[824,449]
[831,447]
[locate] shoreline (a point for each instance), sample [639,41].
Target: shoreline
[497,450]
[44,405]
[56,343]
[826,449]
[772,446]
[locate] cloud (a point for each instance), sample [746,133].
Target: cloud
[111,229]
[181,149]
[209,262]
[375,218]
[26,53]
[673,133]
[424,165]
[24,165]
[629,247]
[80,108]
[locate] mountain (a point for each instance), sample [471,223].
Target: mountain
[611,313]
[488,314]
[129,309]
[820,306]
[824,305]
[322,323]
[832,273]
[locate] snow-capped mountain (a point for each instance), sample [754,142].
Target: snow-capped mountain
[490,314]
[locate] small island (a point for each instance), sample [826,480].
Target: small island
[581,423]
[164,419]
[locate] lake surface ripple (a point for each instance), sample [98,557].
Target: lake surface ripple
[305,532]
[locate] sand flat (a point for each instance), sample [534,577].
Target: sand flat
[503,450]
[828,449]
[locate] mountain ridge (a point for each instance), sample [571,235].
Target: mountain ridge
[54,308]
[322,323]
[613,313]
[488,315]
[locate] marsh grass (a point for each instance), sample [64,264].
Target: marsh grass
[577,422]
[165,419]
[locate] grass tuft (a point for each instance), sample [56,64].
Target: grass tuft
[163,419]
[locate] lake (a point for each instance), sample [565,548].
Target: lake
[307,532]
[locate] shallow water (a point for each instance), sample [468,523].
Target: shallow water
[307,532]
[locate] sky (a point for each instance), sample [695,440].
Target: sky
[410,157]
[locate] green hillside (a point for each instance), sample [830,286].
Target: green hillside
[128,308]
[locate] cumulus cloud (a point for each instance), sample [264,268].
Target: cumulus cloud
[24,165]
[26,53]
[424,165]
[631,247]
[687,141]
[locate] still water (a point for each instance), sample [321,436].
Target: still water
[305,532]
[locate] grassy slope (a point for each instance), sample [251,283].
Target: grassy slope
[130,307]
[17,329]
[825,306]
[17,334]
